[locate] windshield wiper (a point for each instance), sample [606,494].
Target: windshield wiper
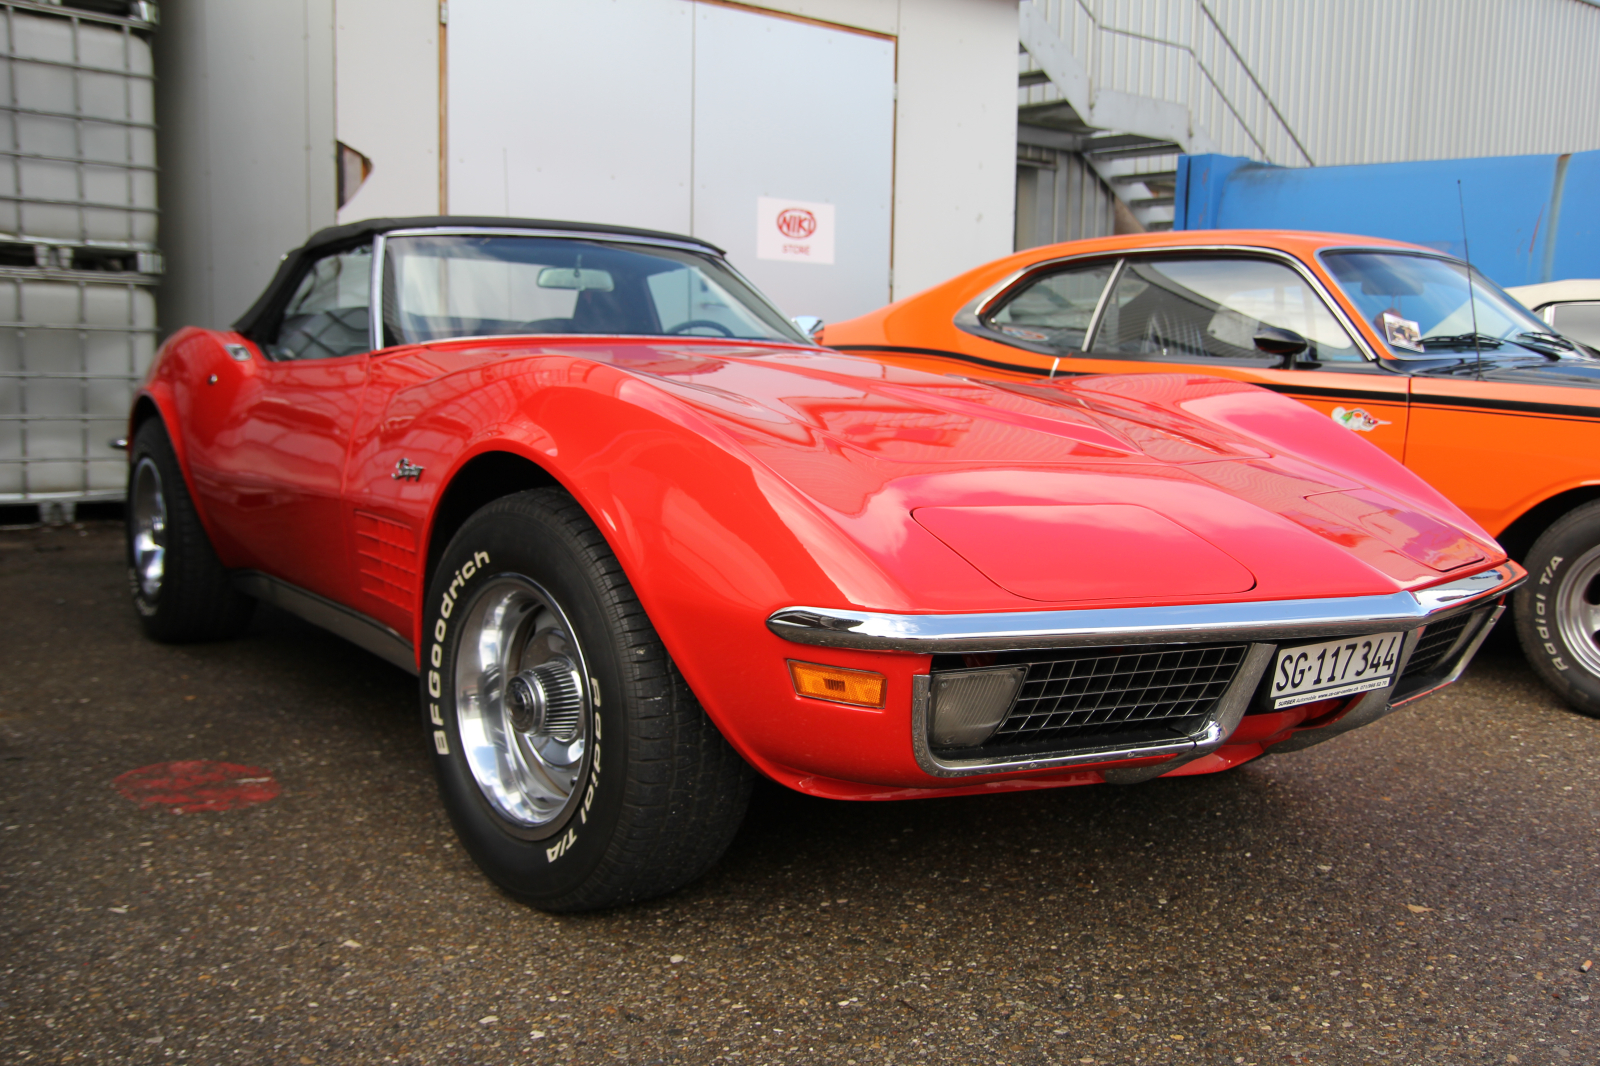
[1552,344]
[1463,340]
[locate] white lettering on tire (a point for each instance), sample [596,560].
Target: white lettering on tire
[562,845]
[441,743]
[1549,571]
[594,770]
[441,629]
[567,840]
[1541,625]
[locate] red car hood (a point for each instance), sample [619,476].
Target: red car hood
[1103,490]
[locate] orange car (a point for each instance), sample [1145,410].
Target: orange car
[1465,387]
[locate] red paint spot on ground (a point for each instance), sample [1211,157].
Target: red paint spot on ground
[195,785]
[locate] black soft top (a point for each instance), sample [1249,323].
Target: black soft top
[352,234]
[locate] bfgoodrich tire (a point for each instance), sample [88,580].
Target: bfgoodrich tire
[576,765]
[1558,608]
[180,589]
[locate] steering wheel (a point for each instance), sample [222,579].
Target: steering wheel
[701,323]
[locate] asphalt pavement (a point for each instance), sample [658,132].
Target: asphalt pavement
[1420,891]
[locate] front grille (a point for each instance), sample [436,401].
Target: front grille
[1102,694]
[1436,642]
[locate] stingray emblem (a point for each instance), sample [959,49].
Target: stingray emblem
[1356,419]
[405,470]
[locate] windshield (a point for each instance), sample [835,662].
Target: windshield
[437,287]
[1418,303]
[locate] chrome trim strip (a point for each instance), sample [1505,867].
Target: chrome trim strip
[1100,305]
[375,295]
[755,291]
[1469,589]
[920,685]
[555,340]
[1464,657]
[1225,718]
[929,634]
[1223,721]
[1380,703]
[970,318]
[1368,709]
[568,234]
[336,618]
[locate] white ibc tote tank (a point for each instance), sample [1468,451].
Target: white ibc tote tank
[78,253]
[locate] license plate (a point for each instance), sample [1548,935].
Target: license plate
[1314,672]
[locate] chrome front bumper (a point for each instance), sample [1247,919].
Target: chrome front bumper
[1265,624]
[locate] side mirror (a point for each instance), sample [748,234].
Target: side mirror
[810,325]
[1281,342]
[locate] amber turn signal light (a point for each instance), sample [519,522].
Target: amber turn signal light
[860,687]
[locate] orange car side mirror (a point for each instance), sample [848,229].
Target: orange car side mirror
[1275,341]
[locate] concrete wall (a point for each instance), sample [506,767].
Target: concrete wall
[956,141]
[955,128]
[244,109]
[252,96]
[744,109]
[386,85]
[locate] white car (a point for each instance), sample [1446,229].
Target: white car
[1572,308]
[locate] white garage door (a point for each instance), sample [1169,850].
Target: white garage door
[771,137]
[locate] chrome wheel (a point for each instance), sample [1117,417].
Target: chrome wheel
[149,507]
[522,702]
[1578,610]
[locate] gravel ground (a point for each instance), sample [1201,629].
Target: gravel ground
[1421,891]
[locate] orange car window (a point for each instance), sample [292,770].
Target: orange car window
[1209,310]
[1418,304]
[1056,309]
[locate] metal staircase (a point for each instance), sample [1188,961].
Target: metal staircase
[1126,87]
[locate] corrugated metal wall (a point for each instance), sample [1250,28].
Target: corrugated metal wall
[1059,198]
[1350,81]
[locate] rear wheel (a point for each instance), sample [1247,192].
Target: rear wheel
[180,589]
[576,765]
[1558,608]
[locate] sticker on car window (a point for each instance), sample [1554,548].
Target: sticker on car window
[1024,334]
[1401,332]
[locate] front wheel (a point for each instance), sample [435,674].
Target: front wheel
[576,765]
[1558,608]
[180,589]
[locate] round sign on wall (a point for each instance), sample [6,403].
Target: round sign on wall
[796,223]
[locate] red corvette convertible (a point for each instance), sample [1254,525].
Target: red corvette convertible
[638,537]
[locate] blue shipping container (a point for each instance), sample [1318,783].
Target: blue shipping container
[1530,218]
